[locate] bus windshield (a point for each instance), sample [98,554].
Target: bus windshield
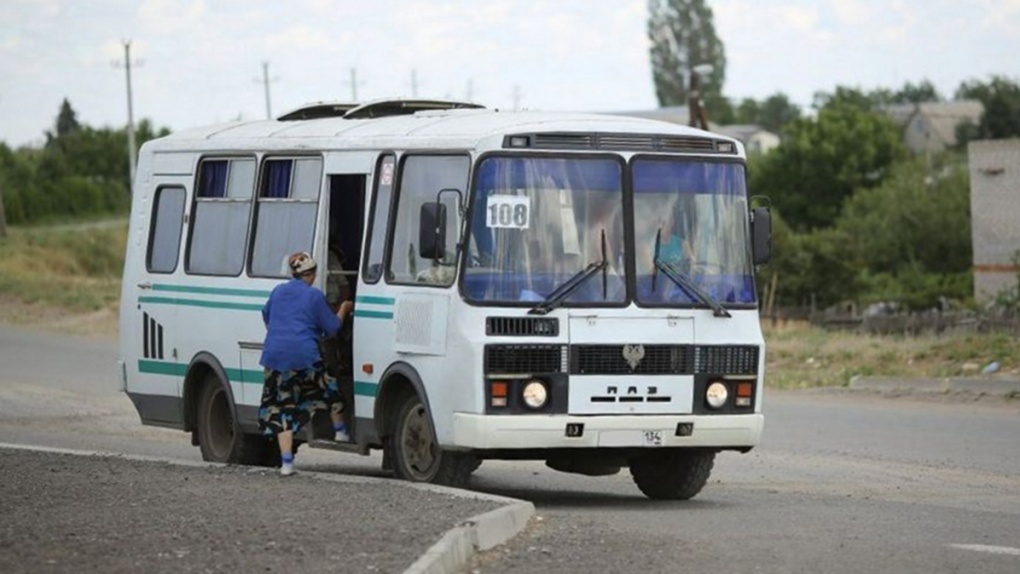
[692,215]
[538,222]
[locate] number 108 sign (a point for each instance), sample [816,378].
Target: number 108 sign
[508,211]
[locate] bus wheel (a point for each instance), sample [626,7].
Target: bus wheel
[417,457]
[219,436]
[672,475]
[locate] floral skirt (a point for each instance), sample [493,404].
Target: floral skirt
[289,398]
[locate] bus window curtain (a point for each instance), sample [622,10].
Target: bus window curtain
[278,179]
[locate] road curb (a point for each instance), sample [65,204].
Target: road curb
[448,555]
[475,534]
[975,386]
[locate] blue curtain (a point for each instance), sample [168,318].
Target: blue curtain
[212,181]
[278,178]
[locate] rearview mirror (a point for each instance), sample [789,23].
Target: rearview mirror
[761,235]
[432,231]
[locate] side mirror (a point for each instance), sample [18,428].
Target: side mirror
[432,231]
[761,235]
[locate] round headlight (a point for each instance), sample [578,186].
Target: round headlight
[535,394]
[716,395]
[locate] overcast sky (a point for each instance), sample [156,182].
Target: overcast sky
[200,61]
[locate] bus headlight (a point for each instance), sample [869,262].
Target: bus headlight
[535,394]
[716,395]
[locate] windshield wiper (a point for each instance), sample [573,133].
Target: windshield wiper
[685,283]
[560,294]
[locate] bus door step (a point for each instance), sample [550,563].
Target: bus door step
[339,446]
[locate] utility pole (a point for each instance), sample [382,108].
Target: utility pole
[265,81]
[517,98]
[131,116]
[354,85]
[414,83]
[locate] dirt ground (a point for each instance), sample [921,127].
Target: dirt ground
[101,323]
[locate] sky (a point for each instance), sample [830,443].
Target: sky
[196,62]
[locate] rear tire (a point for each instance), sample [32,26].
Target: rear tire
[220,438]
[416,454]
[672,475]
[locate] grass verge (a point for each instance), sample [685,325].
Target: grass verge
[77,268]
[801,356]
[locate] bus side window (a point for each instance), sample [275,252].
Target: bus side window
[421,179]
[166,224]
[384,175]
[219,222]
[285,213]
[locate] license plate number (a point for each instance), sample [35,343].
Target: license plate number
[651,438]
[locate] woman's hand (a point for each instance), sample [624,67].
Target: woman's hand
[345,309]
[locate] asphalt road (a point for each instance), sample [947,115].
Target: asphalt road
[844,481]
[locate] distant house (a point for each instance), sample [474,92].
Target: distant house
[756,139]
[931,126]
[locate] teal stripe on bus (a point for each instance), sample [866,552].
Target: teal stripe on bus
[180,369]
[211,290]
[375,300]
[161,368]
[373,314]
[365,388]
[201,303]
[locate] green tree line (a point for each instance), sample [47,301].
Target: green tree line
[857,217]
[80,171]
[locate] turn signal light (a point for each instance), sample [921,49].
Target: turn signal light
[744,389]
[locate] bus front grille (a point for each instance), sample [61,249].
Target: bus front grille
[525,359]
[663,359]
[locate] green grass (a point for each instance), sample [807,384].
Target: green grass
[77,268]
[801,356]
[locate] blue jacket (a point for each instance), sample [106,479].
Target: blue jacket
[296,316]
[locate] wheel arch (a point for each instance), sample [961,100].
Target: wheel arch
[201,366]
[397,380]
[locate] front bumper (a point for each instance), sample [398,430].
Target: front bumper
[488,432]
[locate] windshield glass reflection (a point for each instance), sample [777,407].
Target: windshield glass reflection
[537,222]
[696,213]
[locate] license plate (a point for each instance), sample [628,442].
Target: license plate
[651,438]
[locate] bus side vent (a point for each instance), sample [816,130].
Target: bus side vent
[726,360]
[524,359]
[522,326]
[611,360]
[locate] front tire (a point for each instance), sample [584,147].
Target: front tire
[416,454]
[220,438]
[674,474]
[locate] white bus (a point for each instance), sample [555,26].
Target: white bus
[572,288]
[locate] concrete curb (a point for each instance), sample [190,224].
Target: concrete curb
[448,555]
[475,534]
[995,387]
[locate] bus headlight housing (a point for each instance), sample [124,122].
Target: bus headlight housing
[716,395]
[535,394]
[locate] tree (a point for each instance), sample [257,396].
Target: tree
[683,36]
[911,235]
[822,161]
[1001,99]
[66,124]
[774,113]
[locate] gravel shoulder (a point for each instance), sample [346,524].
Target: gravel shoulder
[64,512]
